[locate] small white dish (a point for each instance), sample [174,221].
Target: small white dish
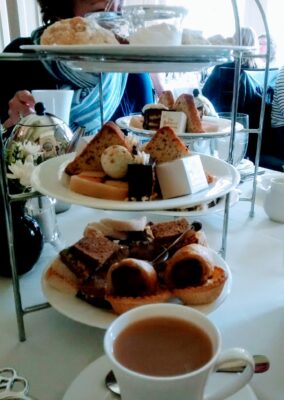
[89,384]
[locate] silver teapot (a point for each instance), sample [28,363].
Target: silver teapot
[46,130]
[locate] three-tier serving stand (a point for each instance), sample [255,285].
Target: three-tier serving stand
[124,62]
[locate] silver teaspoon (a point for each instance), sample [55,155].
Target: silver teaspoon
[261,365]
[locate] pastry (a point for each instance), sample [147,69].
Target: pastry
[141,181]
[191,265]
[152,116]
[77,30]
[167,99]
[89,254]
[193,37]
[165,233]
[90,158]
[121,304]
[115,160]
[165,146]
[206,293]
[132,283]
[192,276]
[62,278]
[132,277]
[185,103]
[107,189]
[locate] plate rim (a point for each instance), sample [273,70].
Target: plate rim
[195,47]
[55,166]
[103,318]
[211,210]
[184,52]
[186,135]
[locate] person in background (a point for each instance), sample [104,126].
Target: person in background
[122,93]
[277,116]
[218,86]
[262,39]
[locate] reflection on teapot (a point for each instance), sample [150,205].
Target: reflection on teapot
[46,130]
[274,200]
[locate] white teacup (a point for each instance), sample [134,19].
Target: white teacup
[180,386]
[274,200]
[56,102]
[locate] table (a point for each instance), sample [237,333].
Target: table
[57,349]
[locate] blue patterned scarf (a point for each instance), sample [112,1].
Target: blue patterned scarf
[85,108]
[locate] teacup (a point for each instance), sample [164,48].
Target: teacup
[274,199]
[168,351]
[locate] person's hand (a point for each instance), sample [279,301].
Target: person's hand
[20,105]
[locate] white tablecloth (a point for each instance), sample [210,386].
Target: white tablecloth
[252,316]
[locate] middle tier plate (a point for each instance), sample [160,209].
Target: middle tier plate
[214,127]
[50,179]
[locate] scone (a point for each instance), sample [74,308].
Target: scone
[77,30]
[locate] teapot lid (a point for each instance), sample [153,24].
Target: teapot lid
[40,118]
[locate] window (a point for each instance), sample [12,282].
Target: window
[17,18]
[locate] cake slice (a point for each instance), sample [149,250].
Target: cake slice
[165,146]
[88,254]
[185,103]
[166,232]
[90,158]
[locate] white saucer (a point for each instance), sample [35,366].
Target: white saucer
[89,384]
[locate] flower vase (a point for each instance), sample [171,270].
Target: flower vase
[28,242]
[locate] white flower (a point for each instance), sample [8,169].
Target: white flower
[141,158]
[22,171]
[30,148]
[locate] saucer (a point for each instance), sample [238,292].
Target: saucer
[89,384]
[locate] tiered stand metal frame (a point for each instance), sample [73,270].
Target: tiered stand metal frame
[112,63]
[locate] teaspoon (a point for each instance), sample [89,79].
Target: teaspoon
[261,365]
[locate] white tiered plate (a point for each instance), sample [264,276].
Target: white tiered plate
[91,381]
[49,179]
[203,209]
[80,311]
[137,58]
[214,127]
[169,53]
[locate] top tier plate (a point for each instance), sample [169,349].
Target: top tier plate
[170,53]
[137,57]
